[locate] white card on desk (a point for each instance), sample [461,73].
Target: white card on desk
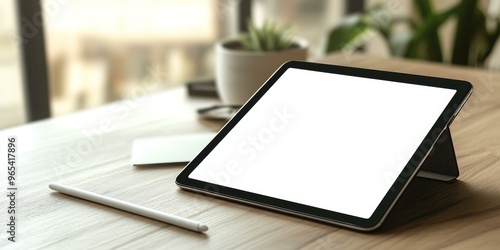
[169,149]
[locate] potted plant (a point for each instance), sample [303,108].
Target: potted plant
[244,63]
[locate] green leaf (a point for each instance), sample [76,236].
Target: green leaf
[271,42]
[483,41]
[254,37]
[417,45]
[424,8]
[245,41]
[493,36]
[352,32]
[285,42]
[264,35]
[432,43]
[269,37]
[464,30]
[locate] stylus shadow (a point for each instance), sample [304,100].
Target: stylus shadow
[160,225]
[159,165]
[429,203]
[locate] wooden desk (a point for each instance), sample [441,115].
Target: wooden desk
[465,214]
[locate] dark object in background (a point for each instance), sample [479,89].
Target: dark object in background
[205,87]
[219,112]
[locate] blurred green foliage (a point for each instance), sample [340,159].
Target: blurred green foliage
[475,32]
[269,37]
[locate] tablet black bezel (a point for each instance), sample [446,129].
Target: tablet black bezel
[463,91]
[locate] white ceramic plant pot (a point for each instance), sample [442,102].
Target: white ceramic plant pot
[239,73]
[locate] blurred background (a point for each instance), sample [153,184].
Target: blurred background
[98,51]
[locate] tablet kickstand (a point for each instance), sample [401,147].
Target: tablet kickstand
[441,164]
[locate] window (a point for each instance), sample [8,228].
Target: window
[11,100]
[99,51]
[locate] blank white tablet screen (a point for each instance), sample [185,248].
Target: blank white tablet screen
[326,140]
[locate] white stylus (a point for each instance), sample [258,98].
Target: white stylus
[129,207]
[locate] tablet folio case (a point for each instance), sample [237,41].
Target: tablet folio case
[441,164]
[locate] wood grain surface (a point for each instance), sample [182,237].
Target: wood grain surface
[430,214]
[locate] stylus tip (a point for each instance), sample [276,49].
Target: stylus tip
[202,228]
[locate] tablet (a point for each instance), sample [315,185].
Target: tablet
[331,143]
